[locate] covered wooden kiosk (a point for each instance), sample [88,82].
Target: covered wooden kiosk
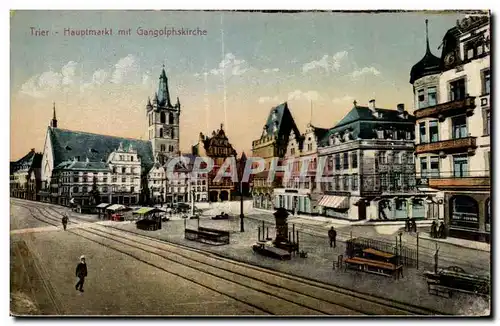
[114,209]
[149,218]
[101,209]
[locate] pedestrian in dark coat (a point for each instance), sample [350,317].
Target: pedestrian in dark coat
[332,234]
[442,231]
[65,221]
[414,225]
[407,224]
[81,273]
[433,229]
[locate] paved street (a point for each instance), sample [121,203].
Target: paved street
[116,283]
[135,281]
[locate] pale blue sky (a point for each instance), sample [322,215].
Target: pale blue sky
[269,56]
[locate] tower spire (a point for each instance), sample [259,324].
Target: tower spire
[53,123]
[163,93]
[427,35]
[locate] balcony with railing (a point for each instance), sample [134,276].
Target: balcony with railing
[387,183]
[446,109]
[466,180]
[448,146]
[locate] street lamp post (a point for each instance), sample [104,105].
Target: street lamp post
[242,226]
[192,202]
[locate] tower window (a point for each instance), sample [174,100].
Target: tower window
[161,132]
[162,148]
[163,118]
[171,118]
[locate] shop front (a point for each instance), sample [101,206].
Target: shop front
[468,215]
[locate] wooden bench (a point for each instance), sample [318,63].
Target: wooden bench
[270,251]
[211,236]
[374,266]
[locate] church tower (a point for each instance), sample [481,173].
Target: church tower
[163,122]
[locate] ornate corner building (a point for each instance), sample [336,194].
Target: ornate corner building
[368,159]
[218,148]
[452,111]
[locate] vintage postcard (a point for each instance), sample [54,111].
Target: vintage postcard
[241,163]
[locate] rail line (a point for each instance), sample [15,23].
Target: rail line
[381,305]
[307,308]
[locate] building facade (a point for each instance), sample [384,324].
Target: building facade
[25,176]
[369,162]
[453,105]
[180,188]
[299,194]
[218,148]
[272,144]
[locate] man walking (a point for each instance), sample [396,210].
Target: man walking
[332,234]
[442,231]
[81,273]
[434,229]
[65,221]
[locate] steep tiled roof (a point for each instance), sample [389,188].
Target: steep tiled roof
[320,132]
[278,112]
[84,166]
[37,161]
[31,160]
[363,124]
[428,65]
[68,144]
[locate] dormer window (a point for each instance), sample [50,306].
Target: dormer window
[380,134]
[68,148]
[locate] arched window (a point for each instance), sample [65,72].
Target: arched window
[161,132]
[464,212]
[162,148]
[163,118]
[171,118]
[172,133]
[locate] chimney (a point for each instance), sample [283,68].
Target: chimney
[401,107]
[371,105]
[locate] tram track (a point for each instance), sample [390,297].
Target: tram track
[305,293]
[238,290]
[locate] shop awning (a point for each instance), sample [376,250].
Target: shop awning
[147,210]
[103,205]
[115,207]
[334,202]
